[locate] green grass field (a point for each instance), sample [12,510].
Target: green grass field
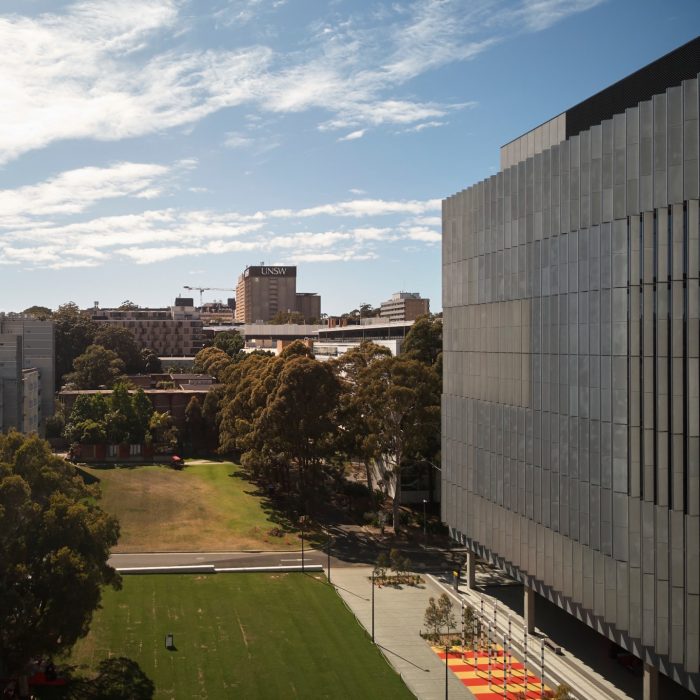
[239,636]
[205,507]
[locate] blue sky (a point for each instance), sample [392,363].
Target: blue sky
[151,144]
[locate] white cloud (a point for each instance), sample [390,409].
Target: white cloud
[158,235]
[353,135]
[333,257]
[73,191]
[426,235]
[360,208]
[84,74]
[425,125]
[101,69]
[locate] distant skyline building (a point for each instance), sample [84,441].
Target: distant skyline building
[404,306]
[263,291]
[27,373]
[571,400]
[170,331]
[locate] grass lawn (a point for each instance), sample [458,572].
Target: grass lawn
[240,636]
[207,506]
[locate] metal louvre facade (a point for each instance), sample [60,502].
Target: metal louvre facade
[571,404]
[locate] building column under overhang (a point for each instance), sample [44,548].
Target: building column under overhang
[651,682]
[529,609]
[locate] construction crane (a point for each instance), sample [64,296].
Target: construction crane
[207,289]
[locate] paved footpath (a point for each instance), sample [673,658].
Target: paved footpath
[398,621]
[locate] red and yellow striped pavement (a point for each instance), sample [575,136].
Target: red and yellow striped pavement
[472,670]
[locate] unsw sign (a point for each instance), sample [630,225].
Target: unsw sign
[272,271]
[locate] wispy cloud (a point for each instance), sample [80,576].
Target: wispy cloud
[536,15]
[425,125]
[163,234]
[360,208]
[85,74]
[234,139]
[74,191]
[115,69]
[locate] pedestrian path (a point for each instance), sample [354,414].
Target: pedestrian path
[493,676]
[398,620]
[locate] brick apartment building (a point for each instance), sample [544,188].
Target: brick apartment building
[171,331]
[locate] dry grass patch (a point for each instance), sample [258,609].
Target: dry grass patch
[207,506]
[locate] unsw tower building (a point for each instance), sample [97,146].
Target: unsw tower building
[263,291]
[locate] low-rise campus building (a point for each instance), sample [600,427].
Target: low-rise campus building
[404,306]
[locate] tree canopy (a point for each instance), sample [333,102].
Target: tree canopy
[424,340]
[96,367]
[54,546]
[231,342]
[401,399]
[73,332]
[280,414]
[121,341]
[355,437]
[287,317]
[117,418]
[39,312]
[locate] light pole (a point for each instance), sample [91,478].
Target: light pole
[505,670]
[373,606]
[425,531]
[447,656]
[464,631]
[329,558]
[302,522]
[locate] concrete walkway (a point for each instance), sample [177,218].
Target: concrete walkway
[398,621]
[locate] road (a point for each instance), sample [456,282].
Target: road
[221,559]
[352,546]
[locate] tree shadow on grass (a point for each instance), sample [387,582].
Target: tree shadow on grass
[117,678]
[87,477]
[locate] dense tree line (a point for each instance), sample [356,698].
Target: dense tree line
[296,421]
[116,418]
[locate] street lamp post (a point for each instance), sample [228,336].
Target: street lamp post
[329,559]
[373,606]
[447,656]
[425,530]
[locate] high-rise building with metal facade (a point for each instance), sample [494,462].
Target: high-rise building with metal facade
[571,405]
[27,373]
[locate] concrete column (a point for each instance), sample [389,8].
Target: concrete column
[529,609]
[651,683]
[471,570]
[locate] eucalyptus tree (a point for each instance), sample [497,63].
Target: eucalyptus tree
[402,402]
